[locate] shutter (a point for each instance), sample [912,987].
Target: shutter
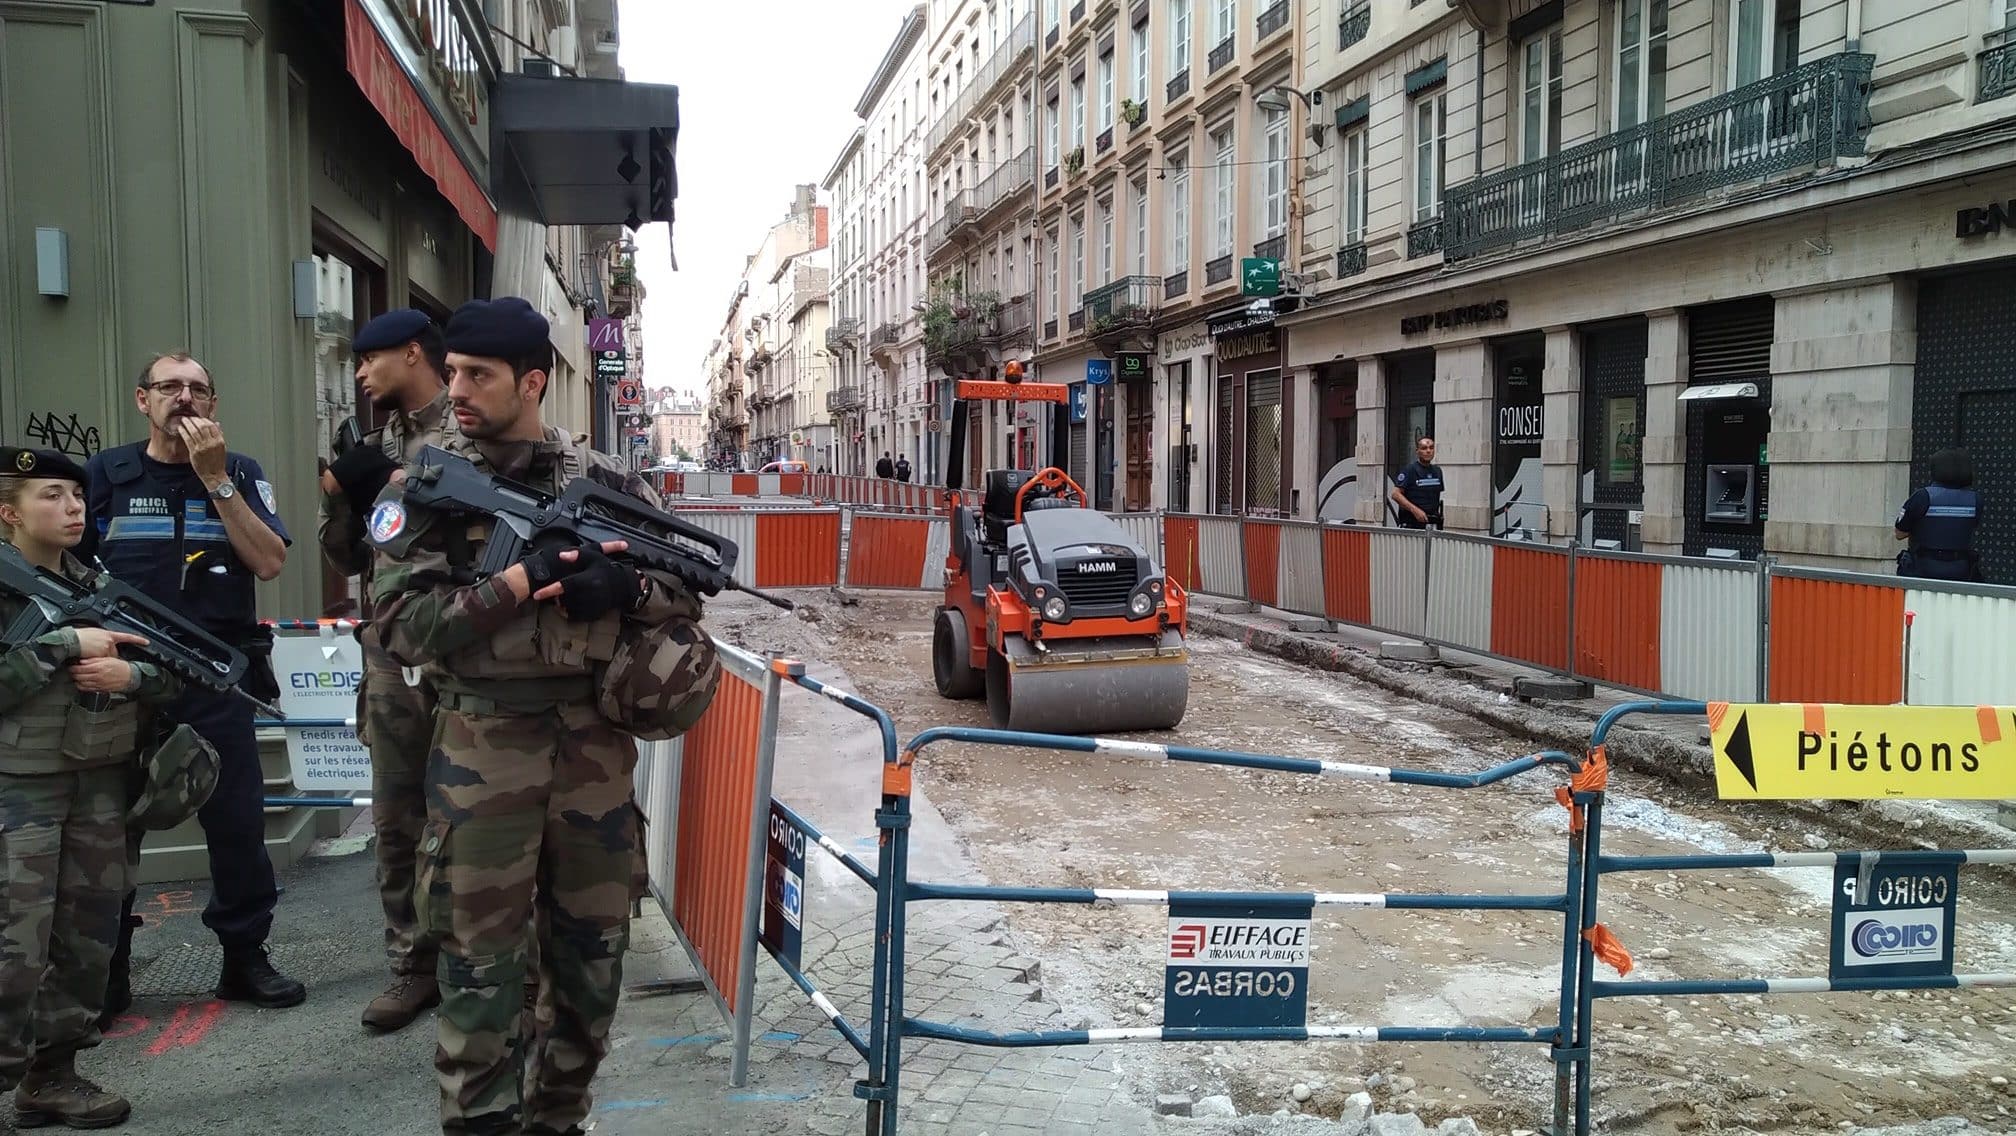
[1078,464]
[1729,343]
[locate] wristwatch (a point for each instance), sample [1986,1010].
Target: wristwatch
[224,492]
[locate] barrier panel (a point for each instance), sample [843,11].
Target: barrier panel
[778,547]
[897,550]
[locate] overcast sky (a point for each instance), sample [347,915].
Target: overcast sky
[766,98]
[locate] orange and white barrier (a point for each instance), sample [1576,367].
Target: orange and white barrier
[776,548]
[897,550]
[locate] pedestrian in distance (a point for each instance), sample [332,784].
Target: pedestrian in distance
[72,716]
[1940,521]
[903,469]
[1417,491]
[884,467]
[402,368]
[545,673]
[195,526]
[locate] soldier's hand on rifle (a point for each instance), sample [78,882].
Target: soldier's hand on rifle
[362,473]
[597,585]
[105,675]
[98,643]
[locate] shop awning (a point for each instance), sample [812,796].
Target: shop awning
[573,151]
[1710,391]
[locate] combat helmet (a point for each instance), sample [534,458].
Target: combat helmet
[661,679]
[177,778]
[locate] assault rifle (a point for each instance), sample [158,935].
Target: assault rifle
[585,514]
[173,642]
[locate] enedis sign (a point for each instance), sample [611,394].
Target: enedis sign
[1795,751]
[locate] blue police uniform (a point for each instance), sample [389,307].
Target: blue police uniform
[1421,484]
[1941,520]
[156,528]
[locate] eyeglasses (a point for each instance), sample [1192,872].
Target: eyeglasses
[173,388]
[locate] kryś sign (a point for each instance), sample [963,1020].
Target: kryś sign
[392,92]
[1231,965]
[1892,920]
[1792,751]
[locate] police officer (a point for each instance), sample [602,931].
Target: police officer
[193,525]
[401,366]
[545,674]
[1418,489]
[1939,521]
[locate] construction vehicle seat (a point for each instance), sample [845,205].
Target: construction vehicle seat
[997,509]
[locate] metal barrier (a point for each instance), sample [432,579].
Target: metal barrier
[896,550]
[778,548]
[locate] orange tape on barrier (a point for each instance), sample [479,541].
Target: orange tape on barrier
[1609,949]
[717,779]
[1593,777]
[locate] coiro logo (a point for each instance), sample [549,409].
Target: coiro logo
[1186,941]
[1873,938]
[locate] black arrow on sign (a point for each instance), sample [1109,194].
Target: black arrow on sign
[1738,751]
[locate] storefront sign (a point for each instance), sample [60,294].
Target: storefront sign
[1254,316]
[1131,365]
[1985,222]
[1448,318]
[1177,343]
[434,31]
[1251,343]
[393,91]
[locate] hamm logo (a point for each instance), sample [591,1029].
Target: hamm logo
[1099,566]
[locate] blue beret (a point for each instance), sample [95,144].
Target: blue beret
[20,461]
[396,327]
[504,328]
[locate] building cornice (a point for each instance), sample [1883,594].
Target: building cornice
[907,38]
[847,150]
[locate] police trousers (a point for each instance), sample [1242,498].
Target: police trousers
[63,836]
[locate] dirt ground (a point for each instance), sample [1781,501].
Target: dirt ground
[1788,1063]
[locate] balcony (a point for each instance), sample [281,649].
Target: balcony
[844,333]
[1176,284]
[1104,141]
[1803,119]
[1179,86]
[1351,260]
[1424,238]
[887,334]
[1998,65]
[1127,304]
[1075,322]
[843,399]
[1015,322]
[1273,248]
[1013,175]
[959,212]
[1221,55]
[998,67]
[1218,271]
[1272,20]
[1354,27]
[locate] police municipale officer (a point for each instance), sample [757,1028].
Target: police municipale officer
[72,713]
[195,526]
[1940,520]
[529,778]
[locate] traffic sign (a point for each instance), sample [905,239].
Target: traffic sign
[1098,372]
[1793,751]
[1232,965]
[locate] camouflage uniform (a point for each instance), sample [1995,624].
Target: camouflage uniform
[65,765]
[529,797]
[395,718]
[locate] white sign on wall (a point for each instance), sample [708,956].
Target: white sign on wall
[319,675]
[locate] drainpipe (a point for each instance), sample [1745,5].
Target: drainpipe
[1854,25]
[1478,148]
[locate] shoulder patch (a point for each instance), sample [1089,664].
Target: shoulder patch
[266,496]
[388,520]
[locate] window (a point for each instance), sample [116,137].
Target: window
[1179,214]
[1354,182]
[1050,12]
[1050,286]
[1274,176]
[1179,36]
[1227,23]
[1077,113]
[1106,241]
[1429,115]
[1137,193]
[1641,61]
[1223,179]
[1765,37]
[1140,65]
[1106,91]
[1074,277]
[1050,126]
[1540,96]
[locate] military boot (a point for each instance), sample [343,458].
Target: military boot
[119,982]
[52,1092]
[248,976]
[402,1001]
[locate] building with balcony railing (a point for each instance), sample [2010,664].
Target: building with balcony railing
[1679,275]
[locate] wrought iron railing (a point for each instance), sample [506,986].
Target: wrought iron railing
[1221,55]
[1424,238]
[1806,117]
[1179,86]
[1011,175]
[1273,248]
[1050,329]
[1175,284]
[1015,320]
[958,211]
[887,334]
[1127,302]
[998,67]
[1998,65]
[1103,142]
[841,399]
[1217,271]
[844,331]
[1050,178]
[1354,27]
[1350,260]
[1272,20]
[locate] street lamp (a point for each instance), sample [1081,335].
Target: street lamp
[1273,100]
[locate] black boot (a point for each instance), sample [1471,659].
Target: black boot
[119,982]
[249,976]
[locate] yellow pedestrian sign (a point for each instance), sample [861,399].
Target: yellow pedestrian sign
[1810,751]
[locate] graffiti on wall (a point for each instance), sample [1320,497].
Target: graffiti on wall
[64,434]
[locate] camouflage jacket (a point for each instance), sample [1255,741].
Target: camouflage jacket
[342,531]
[46,724]
[468,636]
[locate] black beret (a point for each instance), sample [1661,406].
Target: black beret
[400,325]
[504,328]
[19,461]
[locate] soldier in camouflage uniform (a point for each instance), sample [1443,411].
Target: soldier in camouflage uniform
[528,782]
[401,362]
[70,727]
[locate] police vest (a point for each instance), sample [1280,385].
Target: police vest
[1948,525]
[1426,490]
[163,536]
[59,728]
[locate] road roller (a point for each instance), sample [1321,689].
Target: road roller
[1052,611]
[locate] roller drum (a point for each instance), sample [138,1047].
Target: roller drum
[1090,686]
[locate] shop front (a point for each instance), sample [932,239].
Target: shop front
[1183,358]
[1964,395]
[1518,487]
[1612,485]
[1727,401]
[1250,476]
[1336,441]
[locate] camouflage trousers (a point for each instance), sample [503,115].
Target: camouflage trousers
[63,836]
[526,814]
[396,721]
